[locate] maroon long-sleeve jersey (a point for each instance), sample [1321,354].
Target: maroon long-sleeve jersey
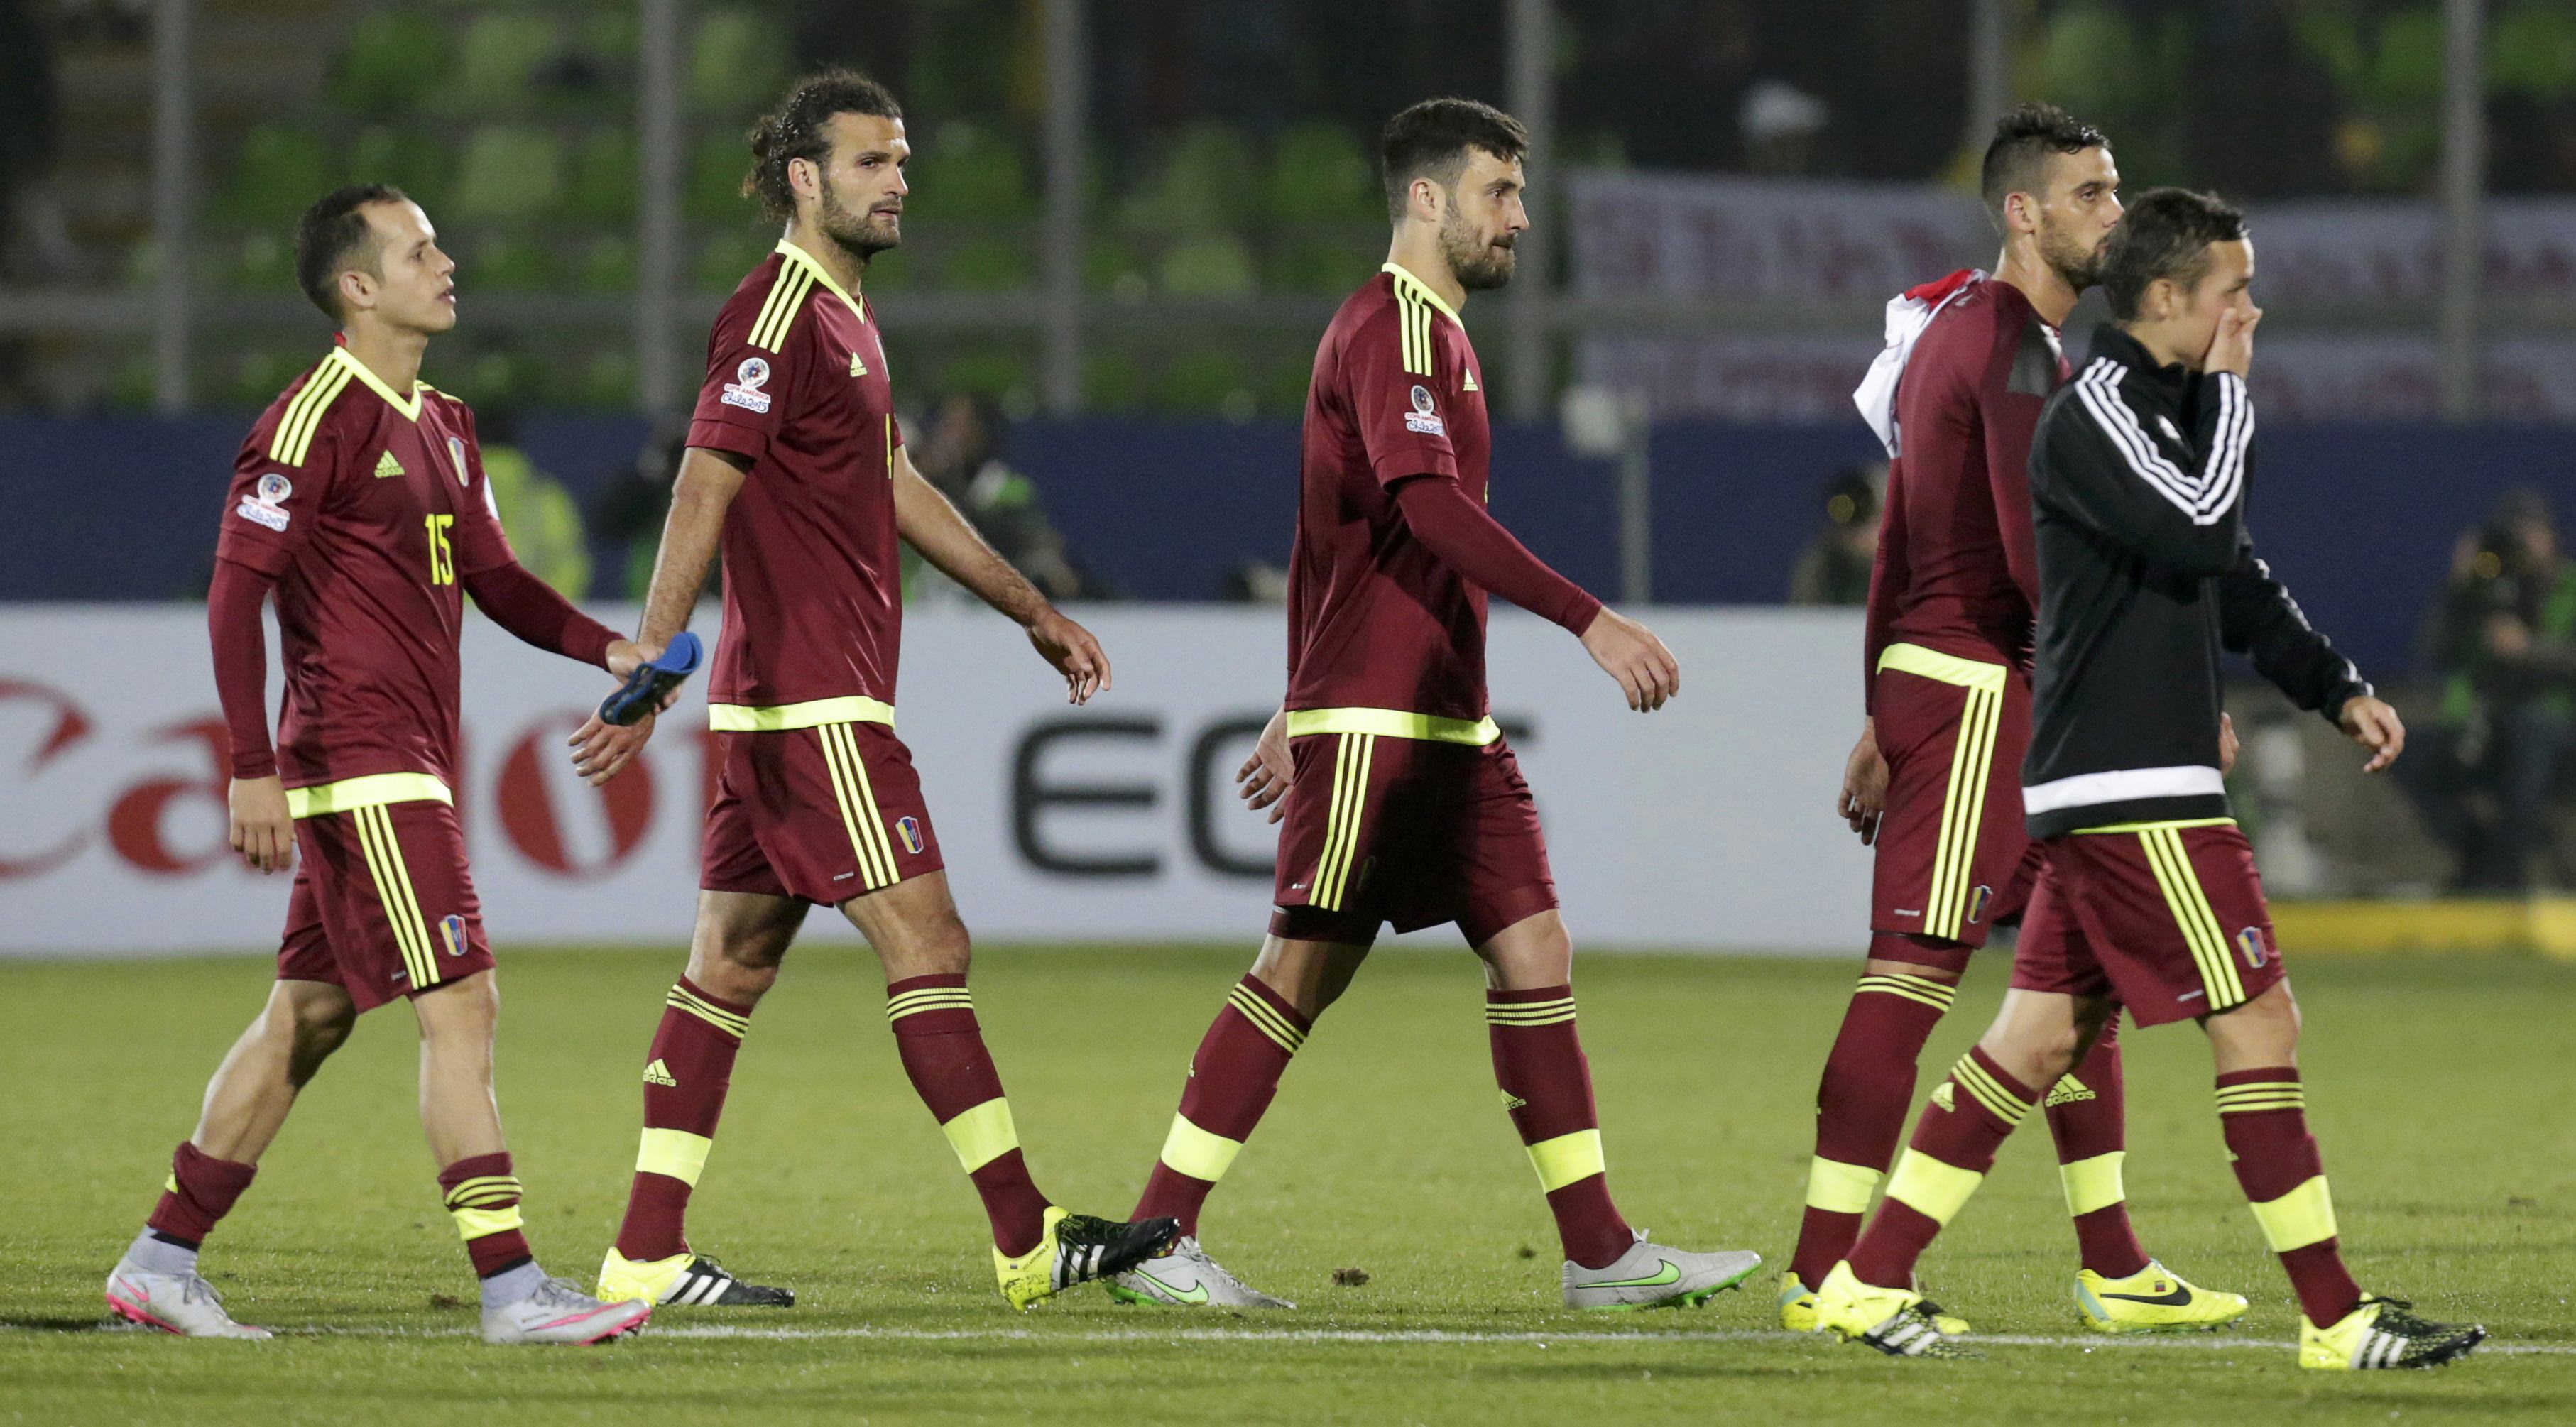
[1957,569]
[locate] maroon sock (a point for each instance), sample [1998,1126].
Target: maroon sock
[2087,1117]
[685,1077]
[1547,1087]
[483,1194]
[943,1053]
[1232,1078]
[1860,1110]
[1954,1145]
[201,1190]
[2265,1118]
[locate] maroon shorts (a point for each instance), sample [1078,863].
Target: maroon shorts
[1408,831]
[824,814]
[382,906]
[2167,919]
[1953,859]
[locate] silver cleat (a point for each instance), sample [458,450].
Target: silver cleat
[1187,1278]
[1650,1275]
[180,1303]
[559,1312]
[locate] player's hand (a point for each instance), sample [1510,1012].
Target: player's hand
[1266,776]
[1630,653]
[600,750]
[263,832]
[1073,652]
[2226,745]
[1864,794]
[625,656]
[2232,350]
[2375,726]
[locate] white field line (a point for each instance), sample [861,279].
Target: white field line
[1367,1336]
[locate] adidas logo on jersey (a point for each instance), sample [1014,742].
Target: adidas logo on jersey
[1512,1101]
[2067,1091]
[1470,383]
[386,465]
[1941,1096]
[857,367]
[658,1074]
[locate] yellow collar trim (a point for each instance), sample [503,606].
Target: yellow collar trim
[811,264]
[408,406]
[1421,289]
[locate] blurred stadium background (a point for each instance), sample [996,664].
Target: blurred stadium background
[1129,223]
[1131,220]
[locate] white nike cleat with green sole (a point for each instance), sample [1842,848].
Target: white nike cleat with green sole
[1187,1278]
[1650,1275]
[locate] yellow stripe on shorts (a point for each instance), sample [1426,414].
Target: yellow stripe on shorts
[858,805]
[1351,758]
[1963,803]
[393,892]
[2180,883]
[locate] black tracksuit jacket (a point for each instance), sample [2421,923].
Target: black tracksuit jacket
[2138,474]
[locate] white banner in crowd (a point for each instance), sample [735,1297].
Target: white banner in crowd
[1707,826]
[1707,238]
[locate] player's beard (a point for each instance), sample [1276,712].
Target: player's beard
[1478,265]
[2079,268]
[861,235]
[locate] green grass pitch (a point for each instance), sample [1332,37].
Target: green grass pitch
[2438,1088]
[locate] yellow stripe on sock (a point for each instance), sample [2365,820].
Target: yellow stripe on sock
[1567,1158]
[736,1026]
[1266,1019]
[1920,989]
[2007,1107]
[930,998]
[2299,1218]
[1529,1013]
[1839,1188]
[475,1223]
[1931,1188]
[982,1134]
[1200,1154]
[677,1153]
[2093,1183]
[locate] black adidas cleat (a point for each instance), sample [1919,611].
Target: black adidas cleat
[686,1280]
[1077,1248]
[2385,1333]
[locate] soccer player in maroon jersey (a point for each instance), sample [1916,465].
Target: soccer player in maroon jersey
[359,503]
[1401,802]
[796,466]
[1935,781]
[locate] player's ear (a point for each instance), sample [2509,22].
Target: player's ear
[357,291]
[1425,198]
[805,178]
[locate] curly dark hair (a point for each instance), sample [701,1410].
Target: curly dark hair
[2165,234]
[1431,140]
[334,236]
[2017,157]
[796,130]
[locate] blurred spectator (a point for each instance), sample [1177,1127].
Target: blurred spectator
[629,512]
[963,457]
[1835,567]
[27,110]
[2503,635]
[536,512]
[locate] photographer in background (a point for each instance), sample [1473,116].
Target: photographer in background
[964,457]
[2503,636]
[1834,568]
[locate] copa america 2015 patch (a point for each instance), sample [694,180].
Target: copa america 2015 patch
[1422,419]
[745,389]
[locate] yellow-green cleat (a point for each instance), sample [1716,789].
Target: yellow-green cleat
[2384,1333]
[1897,1321]
[2155,1299]
[1797,1305]
[1077,1248]
[685,1279]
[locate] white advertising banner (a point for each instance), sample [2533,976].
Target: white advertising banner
[1707,826]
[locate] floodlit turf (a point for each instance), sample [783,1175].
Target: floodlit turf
[2438,1088]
